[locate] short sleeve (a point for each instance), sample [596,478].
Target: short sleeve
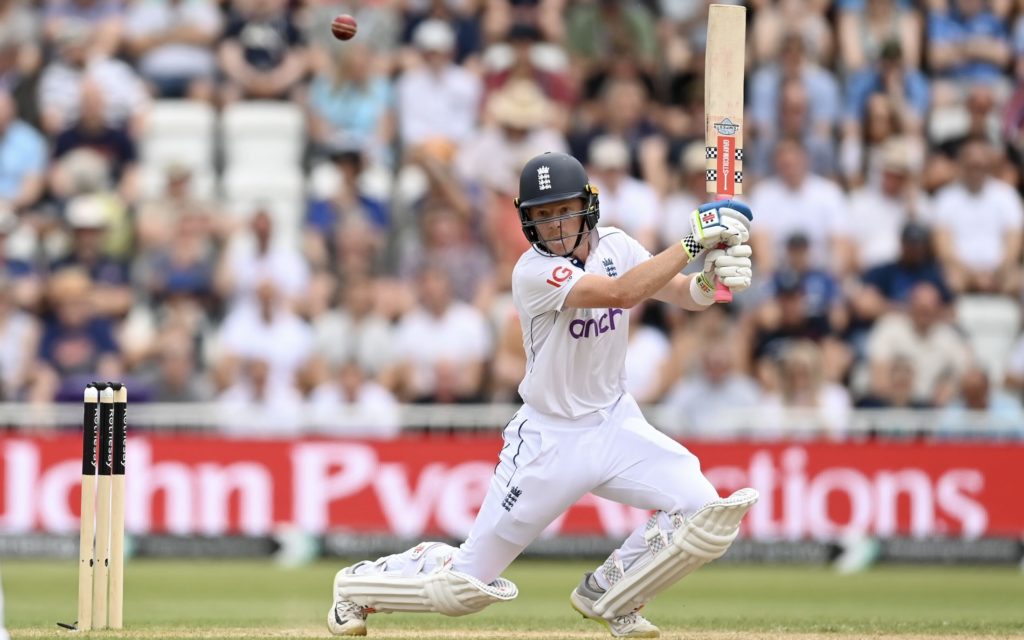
[637,252]
[541,285]
[1011,210]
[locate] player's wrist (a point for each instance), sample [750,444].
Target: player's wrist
[692,247]
[702,289]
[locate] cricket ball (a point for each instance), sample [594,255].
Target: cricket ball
[343,27]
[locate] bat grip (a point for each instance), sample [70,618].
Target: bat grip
[722,293]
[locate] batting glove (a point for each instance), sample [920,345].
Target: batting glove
[730,266]
[715,224]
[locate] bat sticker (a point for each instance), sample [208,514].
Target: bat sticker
[726,127]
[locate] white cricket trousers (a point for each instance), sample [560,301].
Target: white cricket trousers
[549,463]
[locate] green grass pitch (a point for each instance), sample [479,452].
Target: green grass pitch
[235,600]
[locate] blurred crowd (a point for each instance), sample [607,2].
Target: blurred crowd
[883,147]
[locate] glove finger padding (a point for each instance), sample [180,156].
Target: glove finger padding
[732,267]
[735,233]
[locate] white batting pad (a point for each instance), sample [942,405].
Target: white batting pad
[440,589]
[692,543]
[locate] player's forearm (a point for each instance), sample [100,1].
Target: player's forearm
[647,278]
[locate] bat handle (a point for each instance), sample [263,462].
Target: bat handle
[722,292]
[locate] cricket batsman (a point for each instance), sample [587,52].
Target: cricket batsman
[578,430]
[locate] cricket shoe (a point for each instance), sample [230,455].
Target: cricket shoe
[346,618]
[630,625]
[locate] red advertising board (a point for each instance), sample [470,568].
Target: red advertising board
[423,486]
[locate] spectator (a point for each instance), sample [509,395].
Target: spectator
[805,402]
[174,376]
[866,31]
[254,258]
[623,112]
[822,295]
[22,157]
[349,404]
[259,404]
[89,218]
[889,100]
[77,344]
[91,130]
[625,201]
[173,44]
[184,266]
[429,178]
[158,217]
[787,202]
[519,126]
[355,331]
[20,51]
[358,249]
[598,33]
[448,244]
[461,17]
[888,287]
[938,354]
[60,87]
[438,99]
[718,388]
[262,54]
[983,256]
[264,334]
[102,17]
[899,393]
[979,407]
[19,342]
[443,346]
[500,16]
[351,105]
[20,277]
[880,209]
[967,44]
[790,318]
[898,80]
[795,123]
[773,20]
[521,57]
[344,197]
[767,83]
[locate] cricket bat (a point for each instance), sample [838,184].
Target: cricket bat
[723,106]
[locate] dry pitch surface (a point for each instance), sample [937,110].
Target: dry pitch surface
[239,600]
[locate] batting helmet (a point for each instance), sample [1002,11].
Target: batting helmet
[551,177]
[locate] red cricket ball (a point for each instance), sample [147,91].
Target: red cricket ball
[344,27]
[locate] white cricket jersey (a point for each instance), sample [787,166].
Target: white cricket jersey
[575,358]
